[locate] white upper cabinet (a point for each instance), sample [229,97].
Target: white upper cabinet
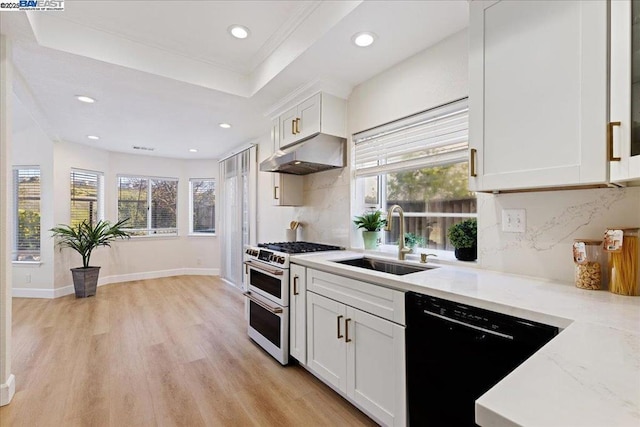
[537,94]
[624,125]
[286,189]
[320,113]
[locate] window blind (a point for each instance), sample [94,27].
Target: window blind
[203,203]
[132,201]
[164,193]
[27,214]
[435,137]
[149,203]
[86,194]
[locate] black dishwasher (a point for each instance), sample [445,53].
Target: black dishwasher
[455,353]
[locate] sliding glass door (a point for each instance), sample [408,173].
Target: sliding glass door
[238,202]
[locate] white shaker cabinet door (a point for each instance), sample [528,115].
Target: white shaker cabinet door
[537,94]
[376,378]
[326,352]
[624,136]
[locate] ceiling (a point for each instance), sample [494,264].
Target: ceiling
[166,75]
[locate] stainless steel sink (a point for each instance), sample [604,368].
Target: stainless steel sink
[384,266]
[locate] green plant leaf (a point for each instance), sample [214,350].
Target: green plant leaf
[464,234]
[370,221]
[85,237]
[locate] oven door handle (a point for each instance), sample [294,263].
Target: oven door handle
[274,271]
[274,310]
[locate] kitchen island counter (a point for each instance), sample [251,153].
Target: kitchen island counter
[589,375]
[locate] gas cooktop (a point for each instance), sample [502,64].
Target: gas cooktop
[298,247]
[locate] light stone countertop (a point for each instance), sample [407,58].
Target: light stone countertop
[589,375]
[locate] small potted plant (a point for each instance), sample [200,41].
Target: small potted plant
[84,238]
[464,238]
[371,223]
[412,240]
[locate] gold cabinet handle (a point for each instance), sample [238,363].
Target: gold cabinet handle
[275,192]
[473,154]
[610,141]
[297,124]
[295,285]
[346,330]
[338,327]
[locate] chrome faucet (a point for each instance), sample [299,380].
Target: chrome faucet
[402,251]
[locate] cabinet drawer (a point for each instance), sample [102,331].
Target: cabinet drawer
[374,299]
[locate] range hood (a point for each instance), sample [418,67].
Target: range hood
[315,154]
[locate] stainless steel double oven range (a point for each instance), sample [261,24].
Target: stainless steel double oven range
[267,269]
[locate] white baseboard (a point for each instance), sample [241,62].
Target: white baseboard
[68,290]
[7,390]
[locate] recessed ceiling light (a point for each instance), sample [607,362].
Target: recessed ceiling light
[238,31]
[363,39]
[94,137]
[84,98]
[225,125]
[193,150]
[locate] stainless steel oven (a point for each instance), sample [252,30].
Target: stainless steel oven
[268,281]
[267,271]
[269,326]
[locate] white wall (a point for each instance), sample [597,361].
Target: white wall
[430,78]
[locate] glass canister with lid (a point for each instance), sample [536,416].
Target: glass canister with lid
[624,259]
[590,264]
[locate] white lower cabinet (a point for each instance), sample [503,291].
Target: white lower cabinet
[360,355]
[298,313]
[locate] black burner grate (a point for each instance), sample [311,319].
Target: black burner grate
[298,247]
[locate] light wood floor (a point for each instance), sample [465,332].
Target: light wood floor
[161,352]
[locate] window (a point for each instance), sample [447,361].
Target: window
[26,192]
[86,197]
[421,164]
[149,203]
[203,206]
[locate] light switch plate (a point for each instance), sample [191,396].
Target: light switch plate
[514,220]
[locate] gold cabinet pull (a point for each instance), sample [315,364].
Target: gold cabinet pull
[346,330]
[473,154]
[295,285]
[338,327]
[297,124]
[275,192]
[293,127]
[610,141]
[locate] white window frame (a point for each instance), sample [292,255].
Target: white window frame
[100,191]
[381,169]
[215,187]
[149,231]
[14,193]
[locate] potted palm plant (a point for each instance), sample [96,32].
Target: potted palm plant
[464,238]
[84,238]
[371,223]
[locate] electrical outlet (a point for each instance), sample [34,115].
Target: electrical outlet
[514,220]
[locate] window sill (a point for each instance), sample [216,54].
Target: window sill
[202,235]
[443,257]
[153,237]
[26,263]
